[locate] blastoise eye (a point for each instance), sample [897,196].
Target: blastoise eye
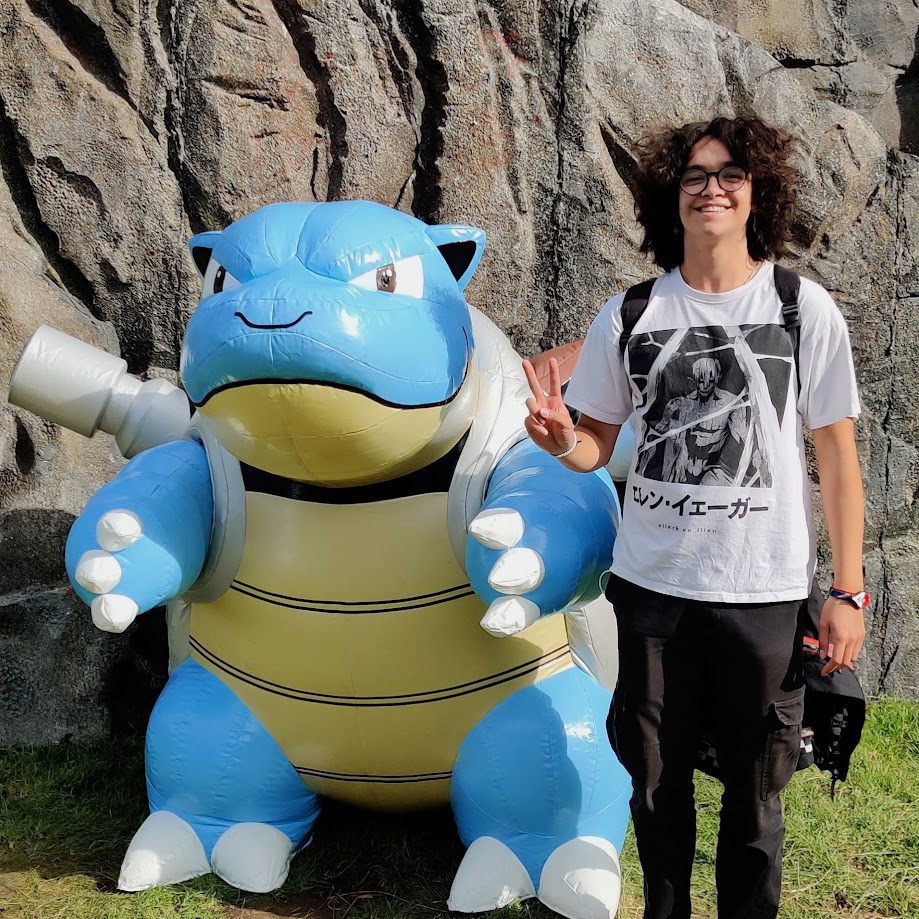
[386,278]
[217,280]
[405,276]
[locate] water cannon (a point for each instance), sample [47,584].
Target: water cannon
[84,389]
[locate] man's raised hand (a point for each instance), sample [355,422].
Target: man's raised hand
[549,424]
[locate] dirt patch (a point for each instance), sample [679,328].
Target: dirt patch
[302,906]
[11,881]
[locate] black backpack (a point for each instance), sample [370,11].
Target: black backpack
[834,706]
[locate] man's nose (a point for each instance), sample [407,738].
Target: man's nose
[713,177]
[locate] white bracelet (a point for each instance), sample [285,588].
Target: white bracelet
[568,451]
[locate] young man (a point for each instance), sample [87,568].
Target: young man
[716,551]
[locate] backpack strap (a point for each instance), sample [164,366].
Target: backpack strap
[788,286]
[633,306]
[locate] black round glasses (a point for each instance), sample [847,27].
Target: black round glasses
[694,181]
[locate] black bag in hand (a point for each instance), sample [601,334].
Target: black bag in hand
[834,706]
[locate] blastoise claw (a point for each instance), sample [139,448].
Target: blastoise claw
[582,878]
[113,612]
[509,615]
[498,528]
[97,571]
[165,850]
[517,571]
[489,877]
[116,530]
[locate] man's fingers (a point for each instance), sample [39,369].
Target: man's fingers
[841,636]
[535,385]
[824,637]
[842,654]
[533,422]
[555,379]
[837,656]
[548,414]
[839,653]
[545,424]
[852,651]
[858,649]
[534,426]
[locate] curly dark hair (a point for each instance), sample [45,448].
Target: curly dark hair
[764,151]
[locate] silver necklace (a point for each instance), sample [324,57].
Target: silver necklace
[756,267]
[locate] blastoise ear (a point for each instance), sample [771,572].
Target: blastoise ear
[201,247]
[461,247]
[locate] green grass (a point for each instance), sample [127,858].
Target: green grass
[67,813]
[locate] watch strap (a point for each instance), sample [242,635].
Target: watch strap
[859,599]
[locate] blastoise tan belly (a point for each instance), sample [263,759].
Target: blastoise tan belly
[353,635]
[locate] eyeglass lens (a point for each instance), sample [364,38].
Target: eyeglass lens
[730,178]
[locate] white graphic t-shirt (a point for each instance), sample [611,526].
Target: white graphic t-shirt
[717,503]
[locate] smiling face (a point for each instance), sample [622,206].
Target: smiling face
[714,213]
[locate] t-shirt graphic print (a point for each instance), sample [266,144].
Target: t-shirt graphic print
[717,503]
[713,399]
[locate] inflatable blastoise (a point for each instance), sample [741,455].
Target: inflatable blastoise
[361,552]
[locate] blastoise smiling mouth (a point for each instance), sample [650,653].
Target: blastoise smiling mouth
[280,325]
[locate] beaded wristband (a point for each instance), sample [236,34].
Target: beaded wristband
[568,451]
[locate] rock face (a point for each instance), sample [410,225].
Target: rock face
[126,125]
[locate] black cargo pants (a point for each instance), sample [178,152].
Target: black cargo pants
[733,672]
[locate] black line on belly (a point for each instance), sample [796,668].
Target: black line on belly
[412,698]
[432,479]
[374,779]
[435,593]
[298,604]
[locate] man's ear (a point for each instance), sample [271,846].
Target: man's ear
[201,247]
[461,246]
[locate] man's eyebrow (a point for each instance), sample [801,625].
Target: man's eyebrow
[722,166]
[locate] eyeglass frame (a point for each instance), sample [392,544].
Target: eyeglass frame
[717,175]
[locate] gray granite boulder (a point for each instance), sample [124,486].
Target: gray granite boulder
[126,125]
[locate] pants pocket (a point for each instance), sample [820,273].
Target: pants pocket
[783,744]
[636,746]
[614,728]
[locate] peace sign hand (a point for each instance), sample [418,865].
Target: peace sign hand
[549,424]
